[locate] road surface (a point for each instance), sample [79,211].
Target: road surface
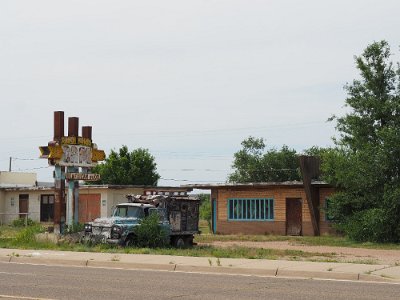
[24,281]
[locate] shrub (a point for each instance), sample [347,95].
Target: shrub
[368,225]
[74,228]
[150,233]
[20,222]
[27,234]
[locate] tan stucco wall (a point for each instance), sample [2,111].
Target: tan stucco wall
[11,205]
[18,178]
[109,198]
[2,204]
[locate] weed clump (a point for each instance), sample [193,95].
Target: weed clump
[21,222]
[150,233]
[27,235]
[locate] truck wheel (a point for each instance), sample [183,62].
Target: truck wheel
[189,241]
[179,242]
[129,242]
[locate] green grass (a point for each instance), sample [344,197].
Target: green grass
[22,238]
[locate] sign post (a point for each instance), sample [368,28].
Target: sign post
[73,152]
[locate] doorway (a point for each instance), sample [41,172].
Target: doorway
[23,205]
[294,216]
[47,208]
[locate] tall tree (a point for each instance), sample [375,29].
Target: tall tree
[128,168]
[365,166]
[252,164]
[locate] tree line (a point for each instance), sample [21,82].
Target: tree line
[363,164]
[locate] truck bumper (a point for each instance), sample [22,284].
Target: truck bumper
[114,241]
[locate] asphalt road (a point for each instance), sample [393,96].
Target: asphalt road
[18,281]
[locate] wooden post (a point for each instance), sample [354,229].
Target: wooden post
[59,181]
[73,185]
[310,169]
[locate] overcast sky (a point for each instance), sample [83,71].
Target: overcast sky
[189,80]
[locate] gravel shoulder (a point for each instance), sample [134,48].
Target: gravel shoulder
[341,254]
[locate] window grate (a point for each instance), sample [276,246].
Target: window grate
[254,209]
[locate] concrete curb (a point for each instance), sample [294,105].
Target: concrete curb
[5,259]
[46,261]
[129,266]
[279,273]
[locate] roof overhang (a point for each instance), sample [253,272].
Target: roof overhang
[253,185]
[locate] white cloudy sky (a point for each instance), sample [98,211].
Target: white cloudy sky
[189,80]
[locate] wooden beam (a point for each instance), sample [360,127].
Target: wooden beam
[310,169]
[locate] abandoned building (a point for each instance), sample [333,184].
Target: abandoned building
[282,208]
[22,196]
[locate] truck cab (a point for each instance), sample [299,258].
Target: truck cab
[179,215]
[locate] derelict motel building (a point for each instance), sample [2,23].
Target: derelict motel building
[283,208]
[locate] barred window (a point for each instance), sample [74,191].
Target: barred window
[251,209]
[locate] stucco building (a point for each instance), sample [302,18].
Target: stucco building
[21,195]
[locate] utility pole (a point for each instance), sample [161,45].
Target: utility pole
[9,166]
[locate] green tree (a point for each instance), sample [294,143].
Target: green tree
[252,164]
[365,165]
[123,167]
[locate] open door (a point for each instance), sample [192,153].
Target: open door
[293,217]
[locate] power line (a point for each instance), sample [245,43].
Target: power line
[192,132]
[20,170]
[18,158]
[186,180]
[194,170]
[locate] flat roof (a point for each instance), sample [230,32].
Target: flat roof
[209,186]
[47,187]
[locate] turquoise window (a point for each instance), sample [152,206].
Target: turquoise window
[253,209]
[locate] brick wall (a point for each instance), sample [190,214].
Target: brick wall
[325,226]
[276,226]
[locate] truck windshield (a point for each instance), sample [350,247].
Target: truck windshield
[128,212]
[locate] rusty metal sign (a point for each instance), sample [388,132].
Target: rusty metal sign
[82,176]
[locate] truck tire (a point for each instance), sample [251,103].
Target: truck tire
[179,241]
[182,241]
[189,241]
[129,241]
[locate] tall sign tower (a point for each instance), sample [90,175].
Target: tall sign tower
[72,156]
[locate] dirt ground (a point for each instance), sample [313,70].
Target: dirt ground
[340,254]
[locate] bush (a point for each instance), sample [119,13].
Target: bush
[74,228]
[150,233]
[368,225]
[20,222]
[27,235]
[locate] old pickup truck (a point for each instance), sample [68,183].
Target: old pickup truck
[179,214]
